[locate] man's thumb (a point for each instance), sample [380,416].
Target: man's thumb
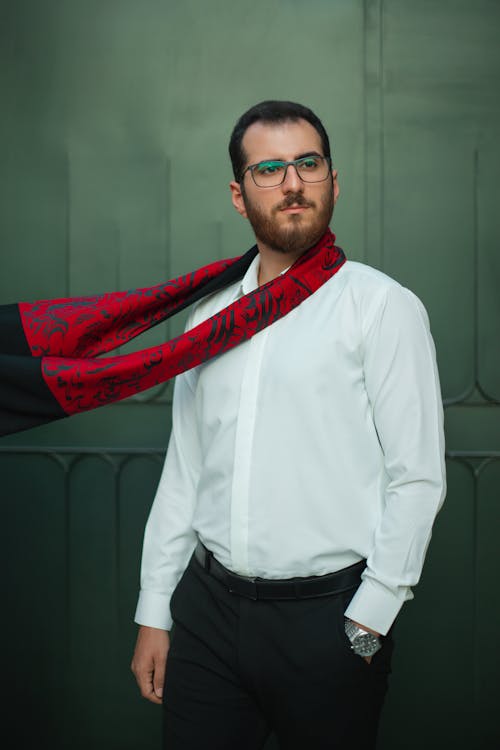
[158,680]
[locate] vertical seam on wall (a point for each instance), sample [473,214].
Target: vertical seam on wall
[374,145]
[475,671]
[67,281]
[475,252]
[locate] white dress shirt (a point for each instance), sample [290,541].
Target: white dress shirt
[315,444]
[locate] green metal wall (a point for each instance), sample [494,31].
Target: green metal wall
[114,170]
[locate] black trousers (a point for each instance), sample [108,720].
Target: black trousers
[239,669]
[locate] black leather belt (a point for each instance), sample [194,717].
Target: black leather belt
[280,588]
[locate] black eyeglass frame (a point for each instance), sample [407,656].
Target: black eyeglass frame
[287,164]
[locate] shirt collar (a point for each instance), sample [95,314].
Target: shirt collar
[250,280]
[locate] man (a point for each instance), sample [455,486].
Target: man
[304,472]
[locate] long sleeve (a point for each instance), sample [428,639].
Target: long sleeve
[169,539]
[402,383]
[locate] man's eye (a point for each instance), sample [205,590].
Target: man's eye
[310,163]
[268,168]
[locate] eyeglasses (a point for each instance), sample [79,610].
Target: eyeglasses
[273,173]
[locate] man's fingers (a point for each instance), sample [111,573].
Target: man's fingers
[145,679]
[151,695]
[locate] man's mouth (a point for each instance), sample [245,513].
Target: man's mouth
[294,209]
[295,206]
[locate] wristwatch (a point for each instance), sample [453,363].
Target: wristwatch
[363,643]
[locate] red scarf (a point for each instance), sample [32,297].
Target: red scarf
[49,350]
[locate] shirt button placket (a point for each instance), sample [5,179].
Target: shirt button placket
[245,428]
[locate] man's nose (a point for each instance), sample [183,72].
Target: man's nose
[292,181]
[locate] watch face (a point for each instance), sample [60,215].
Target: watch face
[366,645]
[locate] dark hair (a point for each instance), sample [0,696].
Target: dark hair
[271,111]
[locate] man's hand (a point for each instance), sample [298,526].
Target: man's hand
[149,661]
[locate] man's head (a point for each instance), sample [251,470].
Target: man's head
[288,216]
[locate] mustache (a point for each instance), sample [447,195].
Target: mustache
[294,198]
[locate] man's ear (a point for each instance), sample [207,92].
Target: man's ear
[237,198]
[335,184]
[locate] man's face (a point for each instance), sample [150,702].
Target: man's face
[293,216]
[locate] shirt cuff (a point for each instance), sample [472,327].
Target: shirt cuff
[376,606]
[153,610]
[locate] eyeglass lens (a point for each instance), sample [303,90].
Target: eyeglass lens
[272,173]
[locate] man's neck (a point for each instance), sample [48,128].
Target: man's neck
[273,262]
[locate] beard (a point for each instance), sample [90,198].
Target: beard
[298,233]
